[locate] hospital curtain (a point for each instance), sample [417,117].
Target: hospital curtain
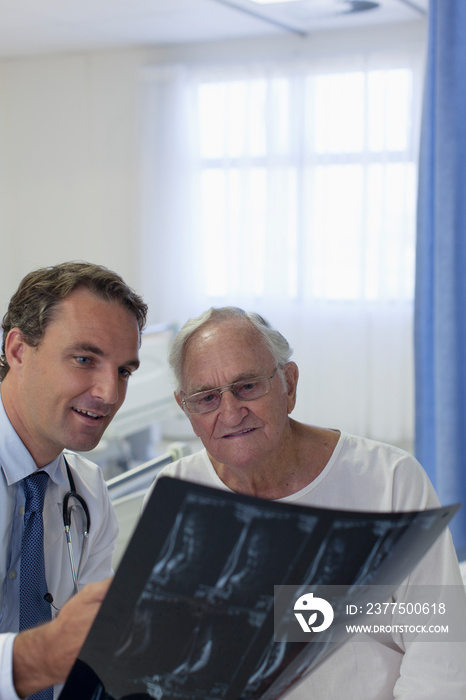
[440,316]
[290,189]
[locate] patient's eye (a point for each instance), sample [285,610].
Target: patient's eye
[247,386]
[208,398]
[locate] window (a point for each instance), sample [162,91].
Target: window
[290,189]
[309,178]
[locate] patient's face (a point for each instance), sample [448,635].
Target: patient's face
[238,434]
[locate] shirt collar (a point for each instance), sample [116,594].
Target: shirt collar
[16,461]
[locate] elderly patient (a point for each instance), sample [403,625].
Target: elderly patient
[237,386]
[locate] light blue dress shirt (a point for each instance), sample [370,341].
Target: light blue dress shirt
[15,464]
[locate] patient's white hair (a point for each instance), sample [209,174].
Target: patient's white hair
[277,344]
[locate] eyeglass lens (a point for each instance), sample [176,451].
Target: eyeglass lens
[246,390]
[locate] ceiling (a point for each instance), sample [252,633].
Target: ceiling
[29,27]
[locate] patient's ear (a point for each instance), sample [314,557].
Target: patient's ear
[291,376]
[179,398]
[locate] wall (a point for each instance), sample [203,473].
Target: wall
[70,149]
[68,154]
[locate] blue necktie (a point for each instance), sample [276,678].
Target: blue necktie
[33,609]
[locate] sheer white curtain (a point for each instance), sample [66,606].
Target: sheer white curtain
[290,190]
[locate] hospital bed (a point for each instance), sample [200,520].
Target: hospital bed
[127,491]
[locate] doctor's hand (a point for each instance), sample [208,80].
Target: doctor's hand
[44,656]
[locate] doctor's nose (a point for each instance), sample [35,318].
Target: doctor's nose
[106,388]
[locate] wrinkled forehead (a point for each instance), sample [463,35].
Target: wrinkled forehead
[233,348]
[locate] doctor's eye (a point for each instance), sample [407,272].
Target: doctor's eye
[124,373]
[81,360]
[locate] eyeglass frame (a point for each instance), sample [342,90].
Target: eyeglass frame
[228,387]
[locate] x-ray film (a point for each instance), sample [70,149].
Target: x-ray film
[190,613]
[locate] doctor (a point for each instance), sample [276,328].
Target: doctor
[71,337]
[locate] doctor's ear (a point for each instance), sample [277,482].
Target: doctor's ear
[15,347]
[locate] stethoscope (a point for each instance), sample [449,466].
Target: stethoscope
[67,511]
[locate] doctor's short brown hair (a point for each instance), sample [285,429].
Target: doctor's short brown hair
[35,302]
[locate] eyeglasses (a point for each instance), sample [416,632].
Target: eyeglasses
[244,390]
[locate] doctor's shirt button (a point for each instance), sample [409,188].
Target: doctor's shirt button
[21,510]
[13,574]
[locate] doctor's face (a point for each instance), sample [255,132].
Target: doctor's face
[64,392]
[238,433]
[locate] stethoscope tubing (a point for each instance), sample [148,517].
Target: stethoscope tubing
[67,510]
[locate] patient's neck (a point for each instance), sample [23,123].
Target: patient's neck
[298,460]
